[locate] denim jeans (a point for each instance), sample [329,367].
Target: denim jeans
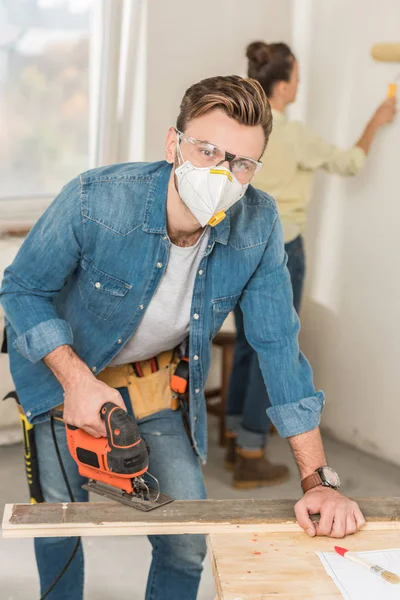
[176,559]
[247,396]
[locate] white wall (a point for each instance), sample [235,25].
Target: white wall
[351,324]
[188,41]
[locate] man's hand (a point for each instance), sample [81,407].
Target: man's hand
[84,395]
[82,403]
[340,516]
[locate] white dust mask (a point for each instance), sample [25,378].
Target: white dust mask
[208,191]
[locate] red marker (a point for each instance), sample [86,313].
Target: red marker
[386,575]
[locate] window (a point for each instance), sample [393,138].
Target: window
[44,95]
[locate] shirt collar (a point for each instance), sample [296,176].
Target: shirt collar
[155,214]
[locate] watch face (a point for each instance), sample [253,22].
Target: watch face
[330,476]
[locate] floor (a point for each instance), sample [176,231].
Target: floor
[127,559]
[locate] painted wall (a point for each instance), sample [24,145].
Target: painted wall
[351,327]
[188,41]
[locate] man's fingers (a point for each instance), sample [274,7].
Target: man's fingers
[351,525]
[95,432]
[95,429]
[326,520]
[339,524]
[303,518]
[359,518]
[117,399]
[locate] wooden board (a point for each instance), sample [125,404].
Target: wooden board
[202,516]
[282,566]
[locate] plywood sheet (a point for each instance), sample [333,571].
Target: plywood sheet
[282,566]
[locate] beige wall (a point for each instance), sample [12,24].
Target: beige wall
[187,41]
[351,325]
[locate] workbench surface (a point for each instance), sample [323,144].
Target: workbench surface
[282,565]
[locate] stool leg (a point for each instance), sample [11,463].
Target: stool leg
[227,361]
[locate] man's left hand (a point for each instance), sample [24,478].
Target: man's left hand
[340,516]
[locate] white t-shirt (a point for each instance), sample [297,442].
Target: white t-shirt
[165,324]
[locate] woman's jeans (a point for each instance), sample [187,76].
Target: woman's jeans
[247,396]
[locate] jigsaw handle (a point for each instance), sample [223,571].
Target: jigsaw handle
[128,452]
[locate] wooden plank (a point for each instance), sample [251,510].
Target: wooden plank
[282,566]
[182,516]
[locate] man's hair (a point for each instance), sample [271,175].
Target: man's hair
[243,100]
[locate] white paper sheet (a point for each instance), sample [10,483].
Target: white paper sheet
[356,582]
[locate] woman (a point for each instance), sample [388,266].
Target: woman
[293,155]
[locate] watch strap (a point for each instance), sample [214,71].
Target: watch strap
[311,481]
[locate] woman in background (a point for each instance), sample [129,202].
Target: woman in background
[293,155]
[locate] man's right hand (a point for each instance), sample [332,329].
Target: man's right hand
[83,400]
[84,395]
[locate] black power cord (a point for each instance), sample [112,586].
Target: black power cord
[71,495]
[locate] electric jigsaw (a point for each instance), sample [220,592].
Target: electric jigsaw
[115,465]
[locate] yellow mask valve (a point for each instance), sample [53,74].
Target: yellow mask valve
[215,219]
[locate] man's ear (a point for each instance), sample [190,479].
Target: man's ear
[171,145]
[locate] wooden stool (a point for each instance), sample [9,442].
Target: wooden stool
[226,341]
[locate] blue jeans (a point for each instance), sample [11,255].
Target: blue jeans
[176,559]
[247,395]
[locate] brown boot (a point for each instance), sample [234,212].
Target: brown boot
[230,455]
[253,470]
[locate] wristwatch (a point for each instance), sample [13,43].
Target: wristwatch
[323,476]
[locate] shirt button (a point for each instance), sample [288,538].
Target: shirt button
[195,357]
[141,306]
[94,369]
[201,272]
[165,237]
[159,265]
[28,414]
[196,316]
[97,285]
[197,390]
[195,418]
[119,341]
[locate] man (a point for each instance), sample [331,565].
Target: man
[123,267]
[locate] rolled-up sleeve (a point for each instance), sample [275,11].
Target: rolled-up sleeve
[272,326]
[316,153]
[43,264]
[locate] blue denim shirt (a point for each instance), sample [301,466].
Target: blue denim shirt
[88,269]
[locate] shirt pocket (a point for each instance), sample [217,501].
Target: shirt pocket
[221,307]
[100,291]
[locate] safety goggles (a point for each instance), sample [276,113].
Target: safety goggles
[204,154]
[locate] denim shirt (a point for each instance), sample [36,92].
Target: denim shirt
[88,270]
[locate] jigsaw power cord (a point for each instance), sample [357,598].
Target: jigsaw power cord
[78,541]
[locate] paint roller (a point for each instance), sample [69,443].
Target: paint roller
[388,53]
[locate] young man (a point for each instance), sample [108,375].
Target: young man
[130,262]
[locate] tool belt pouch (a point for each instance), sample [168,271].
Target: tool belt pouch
[149,389]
